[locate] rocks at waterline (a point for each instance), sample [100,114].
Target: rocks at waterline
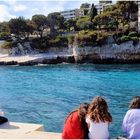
[20,49]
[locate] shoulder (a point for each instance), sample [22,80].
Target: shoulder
[132,112]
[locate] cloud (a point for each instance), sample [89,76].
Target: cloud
[19,7]
[16,6]
[5,14]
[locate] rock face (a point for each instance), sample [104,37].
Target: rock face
[108,53]
[22,49]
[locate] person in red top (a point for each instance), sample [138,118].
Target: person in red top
[75,126]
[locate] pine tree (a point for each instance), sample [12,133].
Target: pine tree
[93,12]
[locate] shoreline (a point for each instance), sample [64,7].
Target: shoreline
[40,59]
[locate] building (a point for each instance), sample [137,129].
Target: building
[77,13]
[102,6]
[70,14]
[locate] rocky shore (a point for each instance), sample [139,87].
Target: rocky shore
[106,54]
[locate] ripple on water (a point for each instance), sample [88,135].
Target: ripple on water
[46,94]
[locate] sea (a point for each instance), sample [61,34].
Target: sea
[46,94]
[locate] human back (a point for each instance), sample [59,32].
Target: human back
[131,121]
[98,119]
[75,126]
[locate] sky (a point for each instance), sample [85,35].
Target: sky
[27,8]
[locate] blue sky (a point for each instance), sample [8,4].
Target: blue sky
[27,8]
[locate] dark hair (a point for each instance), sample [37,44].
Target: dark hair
[135,103]
[98,110]
[82,112]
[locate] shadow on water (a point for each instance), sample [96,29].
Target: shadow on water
[81,67]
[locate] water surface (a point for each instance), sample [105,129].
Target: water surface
[46,94]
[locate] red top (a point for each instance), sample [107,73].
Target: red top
[72,128]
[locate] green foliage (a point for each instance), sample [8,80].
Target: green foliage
[71,39]
[58,40]
[133,34]
[90,37]
[17,25]
[49,41]
[93,12]
[127,8]
[124,38]
[135,40]
[55,22]
[39,20]
[71,23]
[4,35]
[6,45]
[101,38]
[84,23]
[4,27]
[86,36]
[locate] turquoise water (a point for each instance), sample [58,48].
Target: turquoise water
[46,94]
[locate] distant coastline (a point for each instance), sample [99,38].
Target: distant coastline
[109,53]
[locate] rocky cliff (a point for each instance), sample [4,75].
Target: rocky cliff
[109,53]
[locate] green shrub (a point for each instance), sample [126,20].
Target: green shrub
[119,34]
[71,39]
[86,37]
[133,34]
[91,37]
[101,38]
[4,34]
[135,40]
[6,45]
[58,41]
[125,38]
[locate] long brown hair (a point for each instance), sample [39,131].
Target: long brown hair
[135,103]
[98,110]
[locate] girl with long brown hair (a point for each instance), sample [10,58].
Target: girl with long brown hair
[75,126]
[98,119]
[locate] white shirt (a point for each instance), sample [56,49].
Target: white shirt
[97,130]
[131,124]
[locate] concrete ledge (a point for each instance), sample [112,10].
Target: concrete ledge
[14,130]
[15,127]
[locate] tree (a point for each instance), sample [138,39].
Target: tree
[17,26]
[4,27]
[70,23]
[55,22]
[127,8]
[30,27]
[84,23]
[93,12]
[40,22]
